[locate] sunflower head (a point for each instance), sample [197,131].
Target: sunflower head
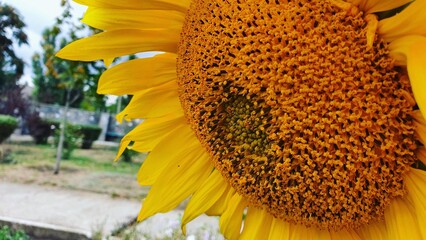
[297,111]
[305,113]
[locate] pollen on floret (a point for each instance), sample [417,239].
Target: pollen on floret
[299,106]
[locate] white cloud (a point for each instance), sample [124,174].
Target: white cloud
[38,15]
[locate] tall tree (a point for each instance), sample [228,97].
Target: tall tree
[11,31]
[65,82]
[11,66]
[52,79]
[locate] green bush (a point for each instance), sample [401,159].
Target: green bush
[8,124]
[8,234]
[90,133]
[6,157]
[72,137]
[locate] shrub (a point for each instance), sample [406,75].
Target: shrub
[7,125]
[72,137]
[6,157]
[90,133]
[8,234]
[41,129]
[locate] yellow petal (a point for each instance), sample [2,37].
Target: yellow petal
[300,232]
[169,149]
[178,5]
[372,6]
[113,19]
[420,124]
[149,133]
[400,47]
[137,75]
[206,196]
[155,102]
[416,65]
[179,179]
[345,234]
[108,62]
[280,230]
[219,207]
[408,22]
[123,146]
[416,185]
[376,231]
[257,224]
[401,223]
[117,43]
[421,154]
[232,218]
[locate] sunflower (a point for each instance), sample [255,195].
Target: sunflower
[288,119]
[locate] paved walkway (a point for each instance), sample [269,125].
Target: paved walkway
[73,213]
[53,213]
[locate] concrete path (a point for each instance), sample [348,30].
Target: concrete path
[50,213]
[77,212]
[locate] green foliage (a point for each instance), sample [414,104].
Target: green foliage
[11,31]
[72,137]
[128,154]
[54,78]
[7,125]
[6,157]
[11,65]
[8,234]
[90,134]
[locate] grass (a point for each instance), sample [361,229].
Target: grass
[96,159]
[7,233]
[91,170]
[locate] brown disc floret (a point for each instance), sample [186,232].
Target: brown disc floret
[303,115]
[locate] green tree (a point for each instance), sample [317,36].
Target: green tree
[54,79]
[11,66]
[11,31]
[68,83]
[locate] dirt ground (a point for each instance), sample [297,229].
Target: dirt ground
[37,168]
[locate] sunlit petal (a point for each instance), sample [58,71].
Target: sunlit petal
[409,22]
[118,43]
[137,75]
[113,19]
[178,5]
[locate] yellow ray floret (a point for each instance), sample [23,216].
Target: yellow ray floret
[401,46]
[181,5]
[420,126]
[416,185]
[279,230]
[256,224]
[219,207]
[416,62]
[376,231]
[180,178]
[153,130]
[206,196]
[400,221]
[137,75]
[408,22]
[421,154]
[113,19]
[231,219]
[117,43]
[372,6]
[169,149]
[154,102]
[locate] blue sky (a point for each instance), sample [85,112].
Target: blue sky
[38,14]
